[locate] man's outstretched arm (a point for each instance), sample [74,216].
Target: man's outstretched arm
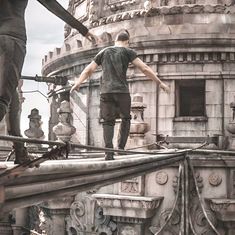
[146,70]
[54,7]
[86,73]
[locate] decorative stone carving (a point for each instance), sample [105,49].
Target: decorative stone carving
[64,130]
[128,230]
[133,186]
[215,179]
[199,221]
[161,177]
[88,218]
[173,224]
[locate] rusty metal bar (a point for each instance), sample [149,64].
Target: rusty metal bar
[57,80]
[123,174]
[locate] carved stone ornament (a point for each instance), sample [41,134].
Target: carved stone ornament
[173,224]
[161,177]
[215,179]
[87,217]
[132,187]
[199,221]
[128,230]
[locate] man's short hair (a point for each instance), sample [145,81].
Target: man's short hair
[123,36]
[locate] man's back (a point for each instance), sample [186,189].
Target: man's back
[12,21]
[114,61]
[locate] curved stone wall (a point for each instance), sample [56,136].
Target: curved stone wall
[179,39]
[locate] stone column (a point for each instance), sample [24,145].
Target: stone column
[64,130]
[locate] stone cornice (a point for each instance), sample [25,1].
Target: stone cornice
[165,10]
[138,207]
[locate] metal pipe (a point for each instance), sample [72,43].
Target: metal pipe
[38,198]
[16,191]
[80,167]
[57,80]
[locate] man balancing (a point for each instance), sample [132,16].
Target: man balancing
[12,53]
[114,91]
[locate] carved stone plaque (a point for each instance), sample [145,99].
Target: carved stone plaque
[132,187]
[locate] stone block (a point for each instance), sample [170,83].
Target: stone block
[189,126]
[166,68]
[166,111]
[211,98]
[214,110]
[207,68]
[228,67]
[213,85]
[165,124]
[189,67]
[229,97]
[214,124]
[166,99]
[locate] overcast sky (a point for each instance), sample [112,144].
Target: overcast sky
[45,32]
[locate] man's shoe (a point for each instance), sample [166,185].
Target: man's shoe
[109,157]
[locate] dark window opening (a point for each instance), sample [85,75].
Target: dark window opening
[190,96]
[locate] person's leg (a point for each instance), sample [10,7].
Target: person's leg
[12,53]
[108,112]
[124,105]
[6,74]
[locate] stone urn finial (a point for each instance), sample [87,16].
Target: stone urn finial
[35,131]
[138,126]
[35,122]
[64,130]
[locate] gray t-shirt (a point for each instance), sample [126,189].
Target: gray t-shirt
[114,61]
[12,18]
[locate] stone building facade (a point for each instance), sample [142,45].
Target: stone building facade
[190,44]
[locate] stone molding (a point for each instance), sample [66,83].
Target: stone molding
[160,58]
[165,10]
[133,206]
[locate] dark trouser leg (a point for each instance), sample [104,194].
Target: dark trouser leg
[124,104]
[13,126]
[123,133]
[108,114]
[108,131]
[12,53]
